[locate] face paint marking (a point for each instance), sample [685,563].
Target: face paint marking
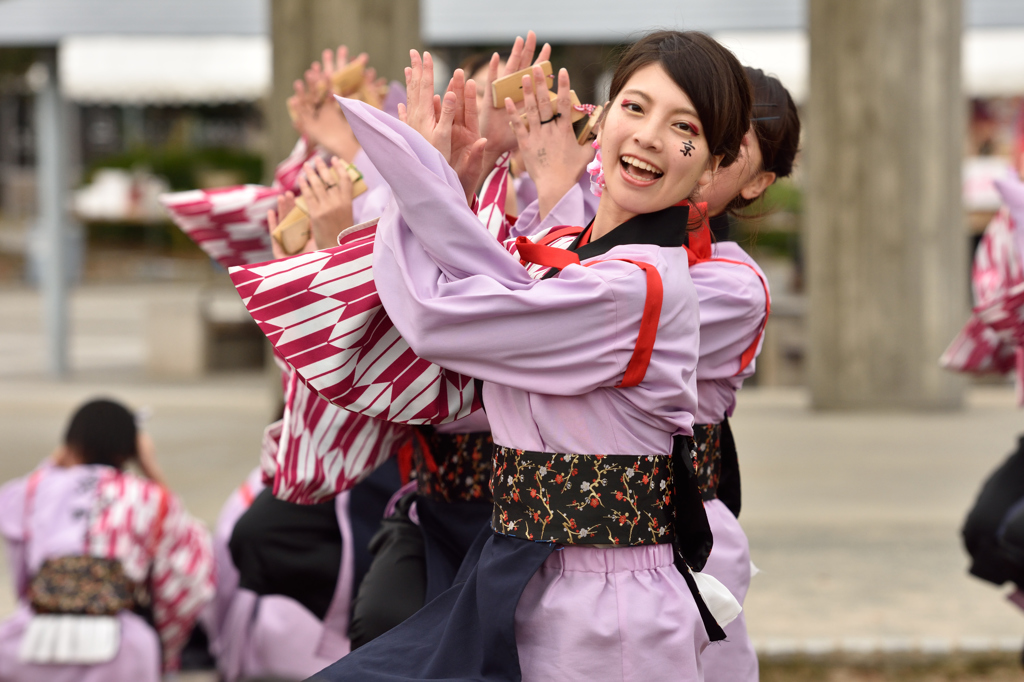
[688,147]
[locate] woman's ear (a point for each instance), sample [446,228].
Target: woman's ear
[756,186]
[709,173]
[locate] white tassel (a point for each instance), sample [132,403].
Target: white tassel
[720,601]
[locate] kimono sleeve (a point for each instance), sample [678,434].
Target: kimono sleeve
[182,578]
[733,308]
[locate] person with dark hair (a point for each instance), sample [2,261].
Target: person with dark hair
[591,568]
[734,305]
[111,572]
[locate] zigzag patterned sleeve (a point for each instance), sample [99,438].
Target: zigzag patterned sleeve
[182,579]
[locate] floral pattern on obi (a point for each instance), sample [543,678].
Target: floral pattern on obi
[577,499]
[452,467]
[707,439]
[85,585]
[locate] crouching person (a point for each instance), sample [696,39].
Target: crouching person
[111,572]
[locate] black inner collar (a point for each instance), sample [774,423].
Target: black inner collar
[666,227]
[721,227]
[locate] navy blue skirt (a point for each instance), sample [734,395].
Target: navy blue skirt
[466,634]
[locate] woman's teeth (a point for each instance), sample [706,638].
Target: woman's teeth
[640,170]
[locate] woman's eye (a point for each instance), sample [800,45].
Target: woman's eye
[688,128]
[631,106]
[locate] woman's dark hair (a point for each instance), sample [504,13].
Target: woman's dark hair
[709,74]
[103,432]
[776,123]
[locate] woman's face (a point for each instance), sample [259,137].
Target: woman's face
[652,144]
[743,177]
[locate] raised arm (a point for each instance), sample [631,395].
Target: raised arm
[462,301]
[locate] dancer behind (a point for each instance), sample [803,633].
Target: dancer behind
[80,516]
[734,305]
[993,532]
[586,361]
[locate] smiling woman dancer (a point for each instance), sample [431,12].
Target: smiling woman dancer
[588,382]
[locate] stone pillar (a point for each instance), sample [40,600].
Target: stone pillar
[885,238]
[302,29]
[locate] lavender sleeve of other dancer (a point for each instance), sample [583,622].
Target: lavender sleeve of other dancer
[732,310]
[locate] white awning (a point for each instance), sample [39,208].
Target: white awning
[164,69]
[992,59]
[993,62]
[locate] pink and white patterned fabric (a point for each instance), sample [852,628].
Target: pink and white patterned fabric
[179,563]
[230,223]
[322,313]
[993,338]
[493,194]
[324,449]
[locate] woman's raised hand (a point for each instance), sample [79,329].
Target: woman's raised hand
[450,124]
[494,123]
[315,114]
[328,197]
[285,204]
[550,152]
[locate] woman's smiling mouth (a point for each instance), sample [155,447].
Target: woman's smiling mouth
[639,172]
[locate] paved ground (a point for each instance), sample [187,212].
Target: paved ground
[853,518]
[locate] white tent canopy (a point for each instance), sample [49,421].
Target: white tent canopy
[210,69]
[164,69]
[992,59]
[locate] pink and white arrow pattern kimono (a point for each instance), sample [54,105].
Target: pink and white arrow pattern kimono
[993,338]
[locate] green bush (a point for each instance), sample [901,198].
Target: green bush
[182,167]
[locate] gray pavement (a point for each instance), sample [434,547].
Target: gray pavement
[853,518]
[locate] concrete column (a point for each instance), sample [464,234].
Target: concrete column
[51,228]
[302,29]
[886,245]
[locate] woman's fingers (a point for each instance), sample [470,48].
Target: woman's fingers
[427,79]
[443,131]
[471,114]
[542,95]
[285,203]
[512,65]
[272,220]
[528,48]
[530,104]
[344,182]
[327,59]
[324,173]
[545,54]
[403,115]
[458,86]
[312,186]
[416,71]
[516,122]
[564,99]
[492,75]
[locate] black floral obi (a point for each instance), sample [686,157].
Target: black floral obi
[574,499]
[452,467]
[707,439]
